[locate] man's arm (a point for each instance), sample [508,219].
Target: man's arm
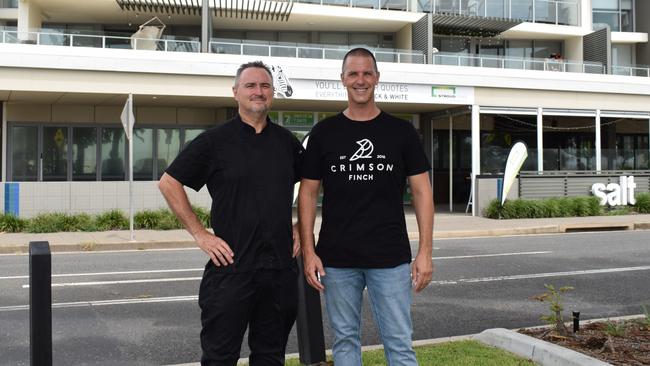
[215,247]
[307,199]
[422,267]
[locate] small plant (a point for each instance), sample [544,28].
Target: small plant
[203,215]
[168,221]
[643,202]
[554,298]
[147,219]
[11,224]
[112,220]
[616,329]
[55,222]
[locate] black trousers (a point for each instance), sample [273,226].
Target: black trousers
[264,300]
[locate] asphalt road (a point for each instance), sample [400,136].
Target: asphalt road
[139,307]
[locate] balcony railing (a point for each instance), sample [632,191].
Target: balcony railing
[631,70]
[402,5]
[502,62]
[303,50]
[560,12]
[97,41]
[9,4]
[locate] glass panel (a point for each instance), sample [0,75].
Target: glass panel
[522,9]
[544,49]
[255,50]
[24,153]
[84,153]
[113,142]
[624,144]
[573,138]
[334,38]
[283,51]
[522,49]
[55,153]
[610,19]
[79,40]
[622,54]
[499,133]
[604,4]
[368,39]
[226,47]
[169,144]
[370,4]
[143,154]
[496,8]
[545,11]
[191,134]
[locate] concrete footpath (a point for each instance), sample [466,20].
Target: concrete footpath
[446,226]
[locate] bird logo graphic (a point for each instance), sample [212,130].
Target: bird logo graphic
[364,151]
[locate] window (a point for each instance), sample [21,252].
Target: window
[169,144]
[84,153]
[24,153]
[142,153]
[55,153]
[113,150]
[618,14]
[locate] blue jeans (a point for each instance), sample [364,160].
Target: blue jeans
[390,300]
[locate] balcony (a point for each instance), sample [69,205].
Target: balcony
[13,4]
[558,12]
[517,63]
[402,5]
[638,70]
[221,46]
[304,50]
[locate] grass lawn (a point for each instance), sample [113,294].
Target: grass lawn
[462,353]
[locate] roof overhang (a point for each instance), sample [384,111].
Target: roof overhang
[278,10]
[470,26]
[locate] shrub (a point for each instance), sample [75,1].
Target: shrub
[203,215]
[112,220]
[643,202]
[168,221]
[55,222]
[147,219]
[553,207]
[11,223]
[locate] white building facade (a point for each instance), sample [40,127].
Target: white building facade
[474,76]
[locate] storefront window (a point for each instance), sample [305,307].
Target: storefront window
[499,133]
[191,134]
[24,153]
[84,153]
[55,153]
[142,154]
[113,150]
[298,119]
[169,144]
[569,143]
[624,144]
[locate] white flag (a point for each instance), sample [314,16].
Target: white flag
[516,158]
[127,117]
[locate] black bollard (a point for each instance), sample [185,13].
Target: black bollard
[576,321]
[40,304]
[309,324]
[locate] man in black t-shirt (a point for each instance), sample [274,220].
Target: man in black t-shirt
[249,166]
[363,157]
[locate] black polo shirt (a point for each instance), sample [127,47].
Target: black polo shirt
[250,178]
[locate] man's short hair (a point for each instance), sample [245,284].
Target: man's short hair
[256,64]
[360,51]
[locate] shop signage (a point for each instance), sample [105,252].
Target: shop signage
[615,194]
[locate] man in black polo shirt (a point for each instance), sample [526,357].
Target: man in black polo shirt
[249,166]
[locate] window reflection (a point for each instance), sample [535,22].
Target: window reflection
[84,153]
[113,149]
[55,153]
[24,153]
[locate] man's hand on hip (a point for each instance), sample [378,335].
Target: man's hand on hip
[421,271]
[218,250]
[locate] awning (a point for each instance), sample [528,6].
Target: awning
[470,26]
[255,9]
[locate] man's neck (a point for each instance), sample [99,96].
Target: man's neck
[362,113]
[255,120]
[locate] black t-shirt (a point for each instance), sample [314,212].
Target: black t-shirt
[363,166]
[250,178]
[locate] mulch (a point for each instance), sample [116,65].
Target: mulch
[630,346]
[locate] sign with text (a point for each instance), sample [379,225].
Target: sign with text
[615,194]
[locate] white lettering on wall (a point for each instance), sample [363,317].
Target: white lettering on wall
[615,194]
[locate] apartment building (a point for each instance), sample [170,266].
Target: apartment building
[567,77]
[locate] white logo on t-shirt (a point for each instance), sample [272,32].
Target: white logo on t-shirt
[364,151]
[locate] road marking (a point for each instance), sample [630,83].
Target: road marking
[121,282]
[492,255]
[541,275]
[111,273]
[107,302]
[201,269]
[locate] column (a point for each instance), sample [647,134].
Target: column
[597,144]
[540,140]
[30,19]
[476,153]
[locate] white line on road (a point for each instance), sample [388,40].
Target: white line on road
[201,269]
[107,302]
[492,255]
[111,273]
[541,275]
[121,282]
